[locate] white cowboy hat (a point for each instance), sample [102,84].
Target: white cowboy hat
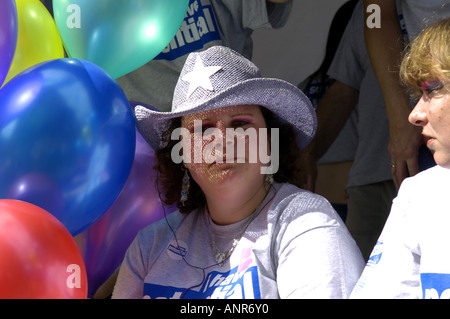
[220,77]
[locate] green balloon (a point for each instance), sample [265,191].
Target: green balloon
[118,35]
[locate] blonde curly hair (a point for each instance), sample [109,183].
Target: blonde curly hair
[428,57]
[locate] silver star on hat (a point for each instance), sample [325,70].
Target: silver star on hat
[199,76]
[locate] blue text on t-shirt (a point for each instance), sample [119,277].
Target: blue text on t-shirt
[217,285]
[198,28]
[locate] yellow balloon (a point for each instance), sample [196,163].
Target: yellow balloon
[38,39]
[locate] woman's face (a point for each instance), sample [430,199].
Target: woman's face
[223,145]
[432,113]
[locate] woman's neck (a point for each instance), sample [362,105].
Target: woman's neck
[234,205]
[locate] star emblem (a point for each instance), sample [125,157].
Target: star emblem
[199,76]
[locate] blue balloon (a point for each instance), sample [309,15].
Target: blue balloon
[65,125]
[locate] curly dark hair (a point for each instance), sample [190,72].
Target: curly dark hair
[171,174]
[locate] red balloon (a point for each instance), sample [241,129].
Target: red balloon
[39,259]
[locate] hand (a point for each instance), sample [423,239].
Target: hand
[404,142]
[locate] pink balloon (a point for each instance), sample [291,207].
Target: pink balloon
[104,244]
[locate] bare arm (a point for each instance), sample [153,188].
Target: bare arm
[385,47]
[332,113]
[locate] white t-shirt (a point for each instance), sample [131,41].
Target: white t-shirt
[411,258]
[296,247]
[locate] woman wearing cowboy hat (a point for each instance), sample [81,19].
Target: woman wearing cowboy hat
[242,229]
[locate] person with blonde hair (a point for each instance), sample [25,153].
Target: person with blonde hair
[428,59]
[411,259]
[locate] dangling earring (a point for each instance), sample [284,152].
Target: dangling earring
[269,180]
[185,186]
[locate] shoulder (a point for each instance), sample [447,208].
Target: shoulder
[424,193]
[311,210]
[432,180]
[303,200]
[160,228]
[153,240]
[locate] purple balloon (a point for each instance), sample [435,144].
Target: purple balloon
[104,244]
[8,36]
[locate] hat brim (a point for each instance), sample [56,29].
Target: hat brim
[286,102]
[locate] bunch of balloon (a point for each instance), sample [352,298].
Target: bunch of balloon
[103,245]
[39,258]
[67,140]
[119,36]
[67,134]
[37,36]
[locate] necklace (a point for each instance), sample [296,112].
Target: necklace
[222,256]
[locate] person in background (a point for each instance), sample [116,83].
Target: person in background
[207,23]
[333,167]
[355,89]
